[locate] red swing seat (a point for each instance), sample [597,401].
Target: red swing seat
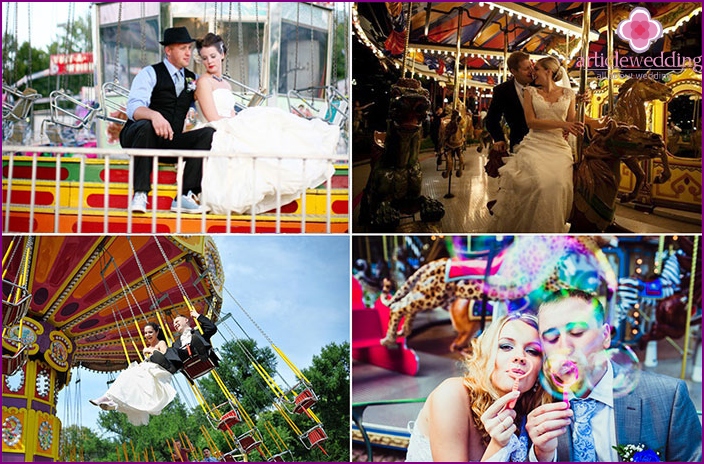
[229,419]
[248,441]
[304,400]
[195,367]
[313,437]
[13,312]
[11,363]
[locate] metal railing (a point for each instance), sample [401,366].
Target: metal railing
[13,154]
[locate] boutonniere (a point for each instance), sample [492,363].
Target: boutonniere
[190,84]
[637,453]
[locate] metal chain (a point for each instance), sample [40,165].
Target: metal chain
[298,25]
[215,17]
[229,37]
[334,37]
[259,52]
[29,42]
[312,42]
[240,38]
[143,36]
[171,268]
[116,73]
[17,38]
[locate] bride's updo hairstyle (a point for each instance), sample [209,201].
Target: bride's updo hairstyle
[551,64]
[212,40]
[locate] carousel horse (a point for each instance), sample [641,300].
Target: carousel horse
[630,110]
[531,262]
[634,292]
[597,175]
[453,139]
[395,181]
[671,312]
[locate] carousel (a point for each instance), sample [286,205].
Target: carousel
[63,168]
[75,303]
[419,63]
[407,340]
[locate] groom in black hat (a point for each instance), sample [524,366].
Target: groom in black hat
[159,100]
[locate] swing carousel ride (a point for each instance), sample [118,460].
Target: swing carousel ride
[450,55]
[72,301]
[63,168]
[650,287]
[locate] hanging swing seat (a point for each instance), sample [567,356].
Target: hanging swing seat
[113,100]
[245,97]
[195,367]
[313,437]
[12,362]
[79,118]
[19,109]
[332,108]
[305,397]
[248,441]
[229,419]
[279,457]
[14,311]
[234,456]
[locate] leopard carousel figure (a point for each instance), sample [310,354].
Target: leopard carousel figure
[531,262]
[394,185]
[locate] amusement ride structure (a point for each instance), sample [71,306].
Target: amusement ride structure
[63,170]
[72,301]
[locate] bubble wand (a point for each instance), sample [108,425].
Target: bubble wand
[516,380]
[565,377]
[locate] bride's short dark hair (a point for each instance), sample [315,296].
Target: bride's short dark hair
[212,40]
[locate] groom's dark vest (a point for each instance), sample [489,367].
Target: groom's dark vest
[164,100]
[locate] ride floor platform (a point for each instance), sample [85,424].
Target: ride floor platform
[431,339]
[467,212]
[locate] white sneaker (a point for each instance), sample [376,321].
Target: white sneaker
[189,204]
[139,203]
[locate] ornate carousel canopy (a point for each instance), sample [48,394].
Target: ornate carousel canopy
[488,30]
[91,296]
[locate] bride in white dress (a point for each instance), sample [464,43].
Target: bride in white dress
[143,389]
[237,184]
[535,184]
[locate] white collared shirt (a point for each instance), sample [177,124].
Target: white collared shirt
[603,423]
[519,89]
[186,337]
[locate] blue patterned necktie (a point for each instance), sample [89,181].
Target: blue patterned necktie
[582,437]
[178,82]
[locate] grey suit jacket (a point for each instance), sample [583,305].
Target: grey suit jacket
[659,414]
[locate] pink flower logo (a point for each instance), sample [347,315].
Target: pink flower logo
[639,30]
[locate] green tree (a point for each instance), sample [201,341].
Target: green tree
[82,444]
[340,46]
[16,61]
[330,377]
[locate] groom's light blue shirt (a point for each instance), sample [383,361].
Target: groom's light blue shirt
[143,85]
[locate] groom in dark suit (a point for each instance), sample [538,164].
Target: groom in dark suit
[159,100]
[507,101]
[191,342]
[610,408]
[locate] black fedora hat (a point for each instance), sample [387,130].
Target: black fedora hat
[175,35]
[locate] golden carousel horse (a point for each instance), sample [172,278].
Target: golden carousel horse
[597,175]
[630,109]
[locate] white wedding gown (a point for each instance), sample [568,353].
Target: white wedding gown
[141,390]
[236,184]
[535,184]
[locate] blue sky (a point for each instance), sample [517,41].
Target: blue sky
[295,287]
